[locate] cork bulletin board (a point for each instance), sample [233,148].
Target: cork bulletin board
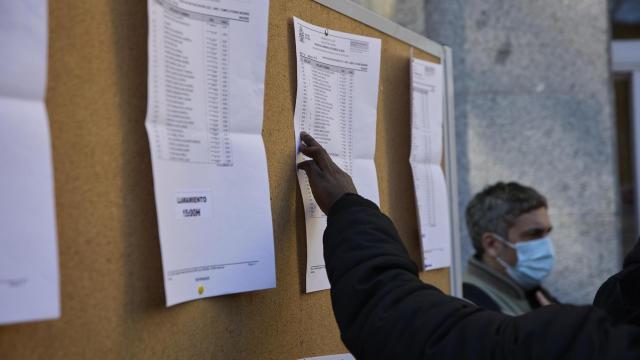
[111,273]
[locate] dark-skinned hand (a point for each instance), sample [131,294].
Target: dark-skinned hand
[328,182]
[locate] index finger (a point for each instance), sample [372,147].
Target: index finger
[308,139]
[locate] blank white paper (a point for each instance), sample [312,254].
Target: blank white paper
[346,356]
[29,277]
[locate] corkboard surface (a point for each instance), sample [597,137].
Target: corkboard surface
[111,273]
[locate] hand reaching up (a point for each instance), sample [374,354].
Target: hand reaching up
[328,182]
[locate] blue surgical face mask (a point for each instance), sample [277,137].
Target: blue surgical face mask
[535,261]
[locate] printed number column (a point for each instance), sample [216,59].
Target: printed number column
[345,112]
[217,83]
[155,111]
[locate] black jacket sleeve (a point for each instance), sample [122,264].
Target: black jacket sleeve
[384,311]
[479,297]
[620,295]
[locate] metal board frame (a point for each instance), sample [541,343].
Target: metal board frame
[387,26]
[455,271]
[401,33]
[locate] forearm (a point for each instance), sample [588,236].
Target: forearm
[381,306]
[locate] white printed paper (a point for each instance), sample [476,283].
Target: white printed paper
[336,102]
[426,154]
[29,277]
[204,122]
[346,356]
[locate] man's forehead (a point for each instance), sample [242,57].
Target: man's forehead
[537,218]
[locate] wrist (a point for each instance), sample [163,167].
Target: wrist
[349,200]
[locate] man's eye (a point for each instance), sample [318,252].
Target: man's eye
[535,234]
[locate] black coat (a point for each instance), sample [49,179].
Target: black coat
[385,311]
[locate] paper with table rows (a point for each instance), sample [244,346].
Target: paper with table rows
[29,276]
[336,102]
[427,114]
[204,122]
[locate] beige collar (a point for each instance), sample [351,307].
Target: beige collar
[494,278]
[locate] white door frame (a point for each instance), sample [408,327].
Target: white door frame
[625,59]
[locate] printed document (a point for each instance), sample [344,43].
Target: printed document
[346,356]
[427,116]
[336,102]
[29,277]
[204,122]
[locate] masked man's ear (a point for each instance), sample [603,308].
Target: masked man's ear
[490,244]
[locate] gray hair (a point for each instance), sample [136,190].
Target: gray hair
[496,208]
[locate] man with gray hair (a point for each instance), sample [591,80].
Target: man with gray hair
[509,227]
